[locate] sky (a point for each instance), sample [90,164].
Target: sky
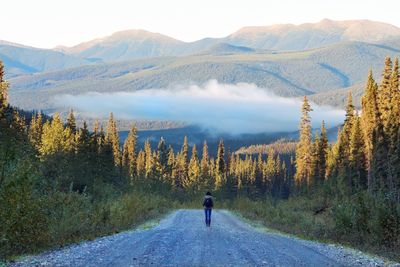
[48,23]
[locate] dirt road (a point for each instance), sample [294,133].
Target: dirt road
[181,239]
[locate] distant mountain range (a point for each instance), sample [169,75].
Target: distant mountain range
[319,59]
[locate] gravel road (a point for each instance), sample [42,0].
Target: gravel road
[181,239]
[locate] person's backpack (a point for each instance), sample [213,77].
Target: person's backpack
[208,203]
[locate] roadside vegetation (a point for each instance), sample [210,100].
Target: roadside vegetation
[60,183]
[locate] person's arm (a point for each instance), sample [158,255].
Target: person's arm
[204,202]
[212,203]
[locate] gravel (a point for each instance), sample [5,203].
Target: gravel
[182,239]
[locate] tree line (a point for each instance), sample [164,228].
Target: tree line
[366,155]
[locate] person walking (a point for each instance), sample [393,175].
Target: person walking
[208,204]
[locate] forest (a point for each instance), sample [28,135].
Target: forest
[60,183]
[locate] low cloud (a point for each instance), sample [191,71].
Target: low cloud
[225,108]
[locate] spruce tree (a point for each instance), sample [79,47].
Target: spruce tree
[220,168]
[342,162]
[53,138]
[141,164]
[323,153]
[384,92]
[71,122]
[162,158]
[185,155]
[315,161]
[194,169]
[205,167]
[36,130]
[112,138]
[129,153]
[3,95]
[171,163]
[369,118]
[303,149]
[149,160]
[357,170]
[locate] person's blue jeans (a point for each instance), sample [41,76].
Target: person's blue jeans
[208,216]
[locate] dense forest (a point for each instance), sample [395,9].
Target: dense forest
[60,183]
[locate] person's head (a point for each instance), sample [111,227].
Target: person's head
[208,193]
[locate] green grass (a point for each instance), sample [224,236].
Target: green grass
[296,217]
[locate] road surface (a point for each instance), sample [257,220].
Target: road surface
[181,239]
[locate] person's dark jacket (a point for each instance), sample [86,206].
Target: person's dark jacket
[208,202]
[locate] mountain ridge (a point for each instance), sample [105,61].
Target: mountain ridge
[140,44]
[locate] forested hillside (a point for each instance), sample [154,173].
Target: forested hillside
[61,183]
[288,74]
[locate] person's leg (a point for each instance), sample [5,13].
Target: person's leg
[205,212]
[209,218]
[208,214]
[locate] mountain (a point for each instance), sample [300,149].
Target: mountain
[289,37]
[227,49]
[127,45]
[20,59]
[289,74]
[136,44]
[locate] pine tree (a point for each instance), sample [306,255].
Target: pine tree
[141,164]
[323,153]
[194,169]
[36,130]
[384,91]
[303,149]
[171,163]
[357,170]
[149,160]
[220,168]
[3,94]
[129,153]
[395,92]
[342,162]
[269,171]
[112,138]
[316,160]
[205,168]
[185,155]
[162,158]
[369,117]
[53,137]
[83,139]
[71,122]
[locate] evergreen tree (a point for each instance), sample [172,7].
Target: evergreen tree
[316,160]
[129,153]
[36,130]
[342,161]
[269,171]
[220,168]
[369,117]
[205,168]
[194,169]
[141,164]
[303,149]
[185,156]
[149,160]
[384,90]
[53,137]
[357,170]
[171,163]
[162,158]
[71,122]
[323,153]
[112,138]
[3,95]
